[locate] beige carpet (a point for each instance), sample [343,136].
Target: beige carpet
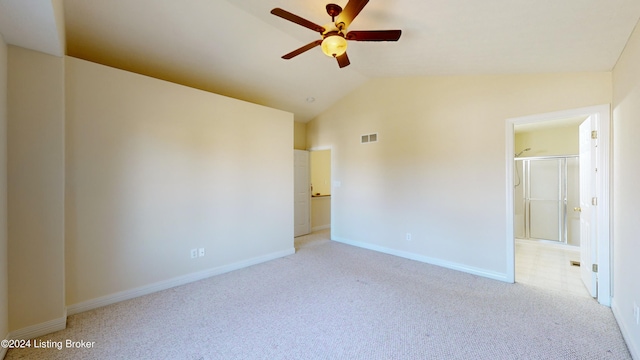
[334,301]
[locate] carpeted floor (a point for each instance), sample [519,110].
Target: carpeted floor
[334,301]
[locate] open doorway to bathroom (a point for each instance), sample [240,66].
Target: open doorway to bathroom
[546,199]
[545,154]
[320,164]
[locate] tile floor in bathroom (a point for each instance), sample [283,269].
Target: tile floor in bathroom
[548,265]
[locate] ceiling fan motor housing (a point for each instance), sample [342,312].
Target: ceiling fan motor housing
[333,10]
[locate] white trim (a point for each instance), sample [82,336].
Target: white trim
[425,259]
[603,114]
[170,283]
[321,227]
[632,344]
[41,329]
[603,209]
[510,244]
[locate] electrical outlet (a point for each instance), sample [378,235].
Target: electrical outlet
[408,237]
[201,252]
[636,313]
[194,253]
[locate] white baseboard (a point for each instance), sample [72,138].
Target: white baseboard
[167,284]
[41,329]
[425,259]
[632,343]
[321,227]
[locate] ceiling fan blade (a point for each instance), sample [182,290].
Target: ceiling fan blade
[374,35]
[297,19]
[343,60]
[299,51]
[350,11]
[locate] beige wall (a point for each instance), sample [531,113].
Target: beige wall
[320,213]
[4,269]
[561,140]
[438,170]
[299,135]
[35,136]
[320,162]
[626,193]
[156,169]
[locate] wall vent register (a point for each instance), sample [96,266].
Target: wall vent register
[369,138]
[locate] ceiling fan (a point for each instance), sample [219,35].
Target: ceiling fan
[335,34]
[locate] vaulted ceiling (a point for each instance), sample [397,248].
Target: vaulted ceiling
[233,47]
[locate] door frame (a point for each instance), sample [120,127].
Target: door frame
[603,190]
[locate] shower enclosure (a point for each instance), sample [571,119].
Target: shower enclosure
[546,193]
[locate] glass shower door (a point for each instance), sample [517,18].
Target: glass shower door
[545,199]
[544,189]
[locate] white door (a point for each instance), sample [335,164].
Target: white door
[302,193]
[588,220]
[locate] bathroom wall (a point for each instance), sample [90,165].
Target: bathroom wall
[558,139]
[320,161]
[320,212]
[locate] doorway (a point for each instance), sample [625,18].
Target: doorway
[598,247]
[321,186]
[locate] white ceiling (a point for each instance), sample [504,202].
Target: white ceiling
[233,47]
[33,25]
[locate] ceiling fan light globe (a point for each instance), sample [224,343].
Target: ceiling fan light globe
[334,45]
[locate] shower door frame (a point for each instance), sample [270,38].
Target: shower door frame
[563,212]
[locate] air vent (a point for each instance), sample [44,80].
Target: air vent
[369,138]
